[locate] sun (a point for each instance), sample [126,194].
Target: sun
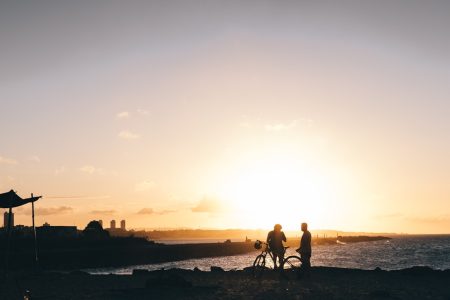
[278,189]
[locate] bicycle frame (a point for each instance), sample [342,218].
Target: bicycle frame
[267,251]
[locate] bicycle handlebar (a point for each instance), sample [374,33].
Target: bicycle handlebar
[265,243]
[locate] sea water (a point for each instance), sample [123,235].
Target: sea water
[397,253]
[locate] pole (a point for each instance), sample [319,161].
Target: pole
[34,233]
[9,242]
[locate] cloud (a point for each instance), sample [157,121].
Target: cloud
[60,170]
[309,122]
[245,124]
[150,211]
[146,211]
[103,212]
[47,211]
[281,126]
[209,205]
[7,161]
[79,197]
[128,135]
[90,169]
[144,186]
[142,112]
[35,159]
[123,115]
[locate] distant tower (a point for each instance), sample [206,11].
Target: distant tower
[113,224]
[6,219]
[122,225]
[101,222]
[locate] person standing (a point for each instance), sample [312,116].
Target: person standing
[305,248]
[275,239]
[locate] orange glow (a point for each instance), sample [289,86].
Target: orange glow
[277,188]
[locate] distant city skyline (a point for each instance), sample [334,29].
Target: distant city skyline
[228,114]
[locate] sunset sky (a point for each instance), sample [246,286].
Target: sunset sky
[228,114]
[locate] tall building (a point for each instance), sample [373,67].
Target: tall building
[6,219]
[101,222]
[122,225]
[113,224]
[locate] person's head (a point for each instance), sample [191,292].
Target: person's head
[304,226]
[277,227]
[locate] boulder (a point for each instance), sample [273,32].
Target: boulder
[171,280]
[215,269]
[140,272]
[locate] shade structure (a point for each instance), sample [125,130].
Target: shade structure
[11,199]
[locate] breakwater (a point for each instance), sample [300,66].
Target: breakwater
[80,253]
[124,253]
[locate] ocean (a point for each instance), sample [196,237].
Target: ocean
[398,253]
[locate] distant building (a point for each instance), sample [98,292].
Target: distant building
[6,217]
[122,225]
[101,222]
[113,224]
[21,230]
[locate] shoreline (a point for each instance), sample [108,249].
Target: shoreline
[323,283]
[123,252]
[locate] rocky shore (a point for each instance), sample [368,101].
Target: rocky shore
[323,283]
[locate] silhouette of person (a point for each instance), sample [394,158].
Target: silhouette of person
[275,240]
[305,248]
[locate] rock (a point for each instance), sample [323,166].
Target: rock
[79,273]
[271,294]
[248,269]
[215,269]
[419,271]
[380,294]
[140,272]
[172,280]
[197,269]
[446,272]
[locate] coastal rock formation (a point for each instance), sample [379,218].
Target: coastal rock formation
[324,283]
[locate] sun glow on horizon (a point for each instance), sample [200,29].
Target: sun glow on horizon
[279,188]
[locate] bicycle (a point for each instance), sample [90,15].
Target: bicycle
[289,264]
[292,264]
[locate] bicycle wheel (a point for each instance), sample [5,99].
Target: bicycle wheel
[292,263]
[259,265]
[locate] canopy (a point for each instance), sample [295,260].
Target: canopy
[11,199]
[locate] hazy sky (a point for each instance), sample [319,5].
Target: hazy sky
[228,114]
